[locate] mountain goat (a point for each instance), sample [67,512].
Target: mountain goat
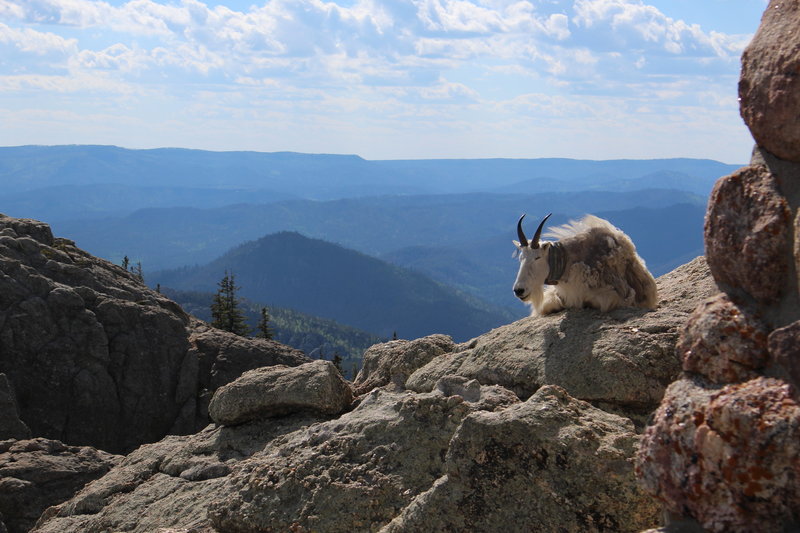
[591,264]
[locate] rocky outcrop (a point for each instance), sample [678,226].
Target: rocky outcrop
[621,360]
[95,357]
[38,473]
[399,461]
[723,450]
[541,455]
[769,88]
[395,361]
[291,453]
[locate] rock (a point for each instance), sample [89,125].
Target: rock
[38,473]
[280,390]
[11,427]
[165,485]
[225,356]
[541,455]
[728,457]
[784,351]
[625,358]
[467,454]
[396,360]
[724,342]
[96,357]
[349,474]
[769,88]
[485,397]
[747,231]
[376,464]
[217,357]
[723,448]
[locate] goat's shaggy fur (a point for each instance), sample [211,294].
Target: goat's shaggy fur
[601,269]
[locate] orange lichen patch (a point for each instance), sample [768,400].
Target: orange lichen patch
[699,417]
[752,488]
[759,472]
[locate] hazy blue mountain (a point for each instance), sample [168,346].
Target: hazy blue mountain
[317,337]
[27,168]
[662,179]
[321,176]
[665,238]
[70,202]
[548,174]
[322,279]
[169,238]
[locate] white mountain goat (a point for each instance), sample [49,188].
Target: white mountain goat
[591,264]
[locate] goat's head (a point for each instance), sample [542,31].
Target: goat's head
[533,266]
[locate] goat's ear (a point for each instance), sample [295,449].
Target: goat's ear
[516,243]
[545,246]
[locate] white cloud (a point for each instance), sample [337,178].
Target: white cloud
[29,42]
[399,58]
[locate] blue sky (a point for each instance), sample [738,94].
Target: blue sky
[384,79]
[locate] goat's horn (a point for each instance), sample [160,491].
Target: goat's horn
[523,241]
[535,241]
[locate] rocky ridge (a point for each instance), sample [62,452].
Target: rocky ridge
[450,452]
[723,452]
[97,358]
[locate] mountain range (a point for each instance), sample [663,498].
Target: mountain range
[433,227]
[164,238]
[97,181]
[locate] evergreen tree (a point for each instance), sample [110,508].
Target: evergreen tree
[225,311]
[125,262]
[337,362]
[264,329]
[137,271]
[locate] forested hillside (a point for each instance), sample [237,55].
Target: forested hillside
[326,280]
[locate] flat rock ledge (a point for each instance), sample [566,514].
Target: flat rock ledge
[621,361]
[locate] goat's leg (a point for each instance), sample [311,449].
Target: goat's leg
[551,302]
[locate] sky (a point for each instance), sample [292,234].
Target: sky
[383,79]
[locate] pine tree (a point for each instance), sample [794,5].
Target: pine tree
[125,262]
[337,362]
[137,271]
[225,311]
[264,329]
